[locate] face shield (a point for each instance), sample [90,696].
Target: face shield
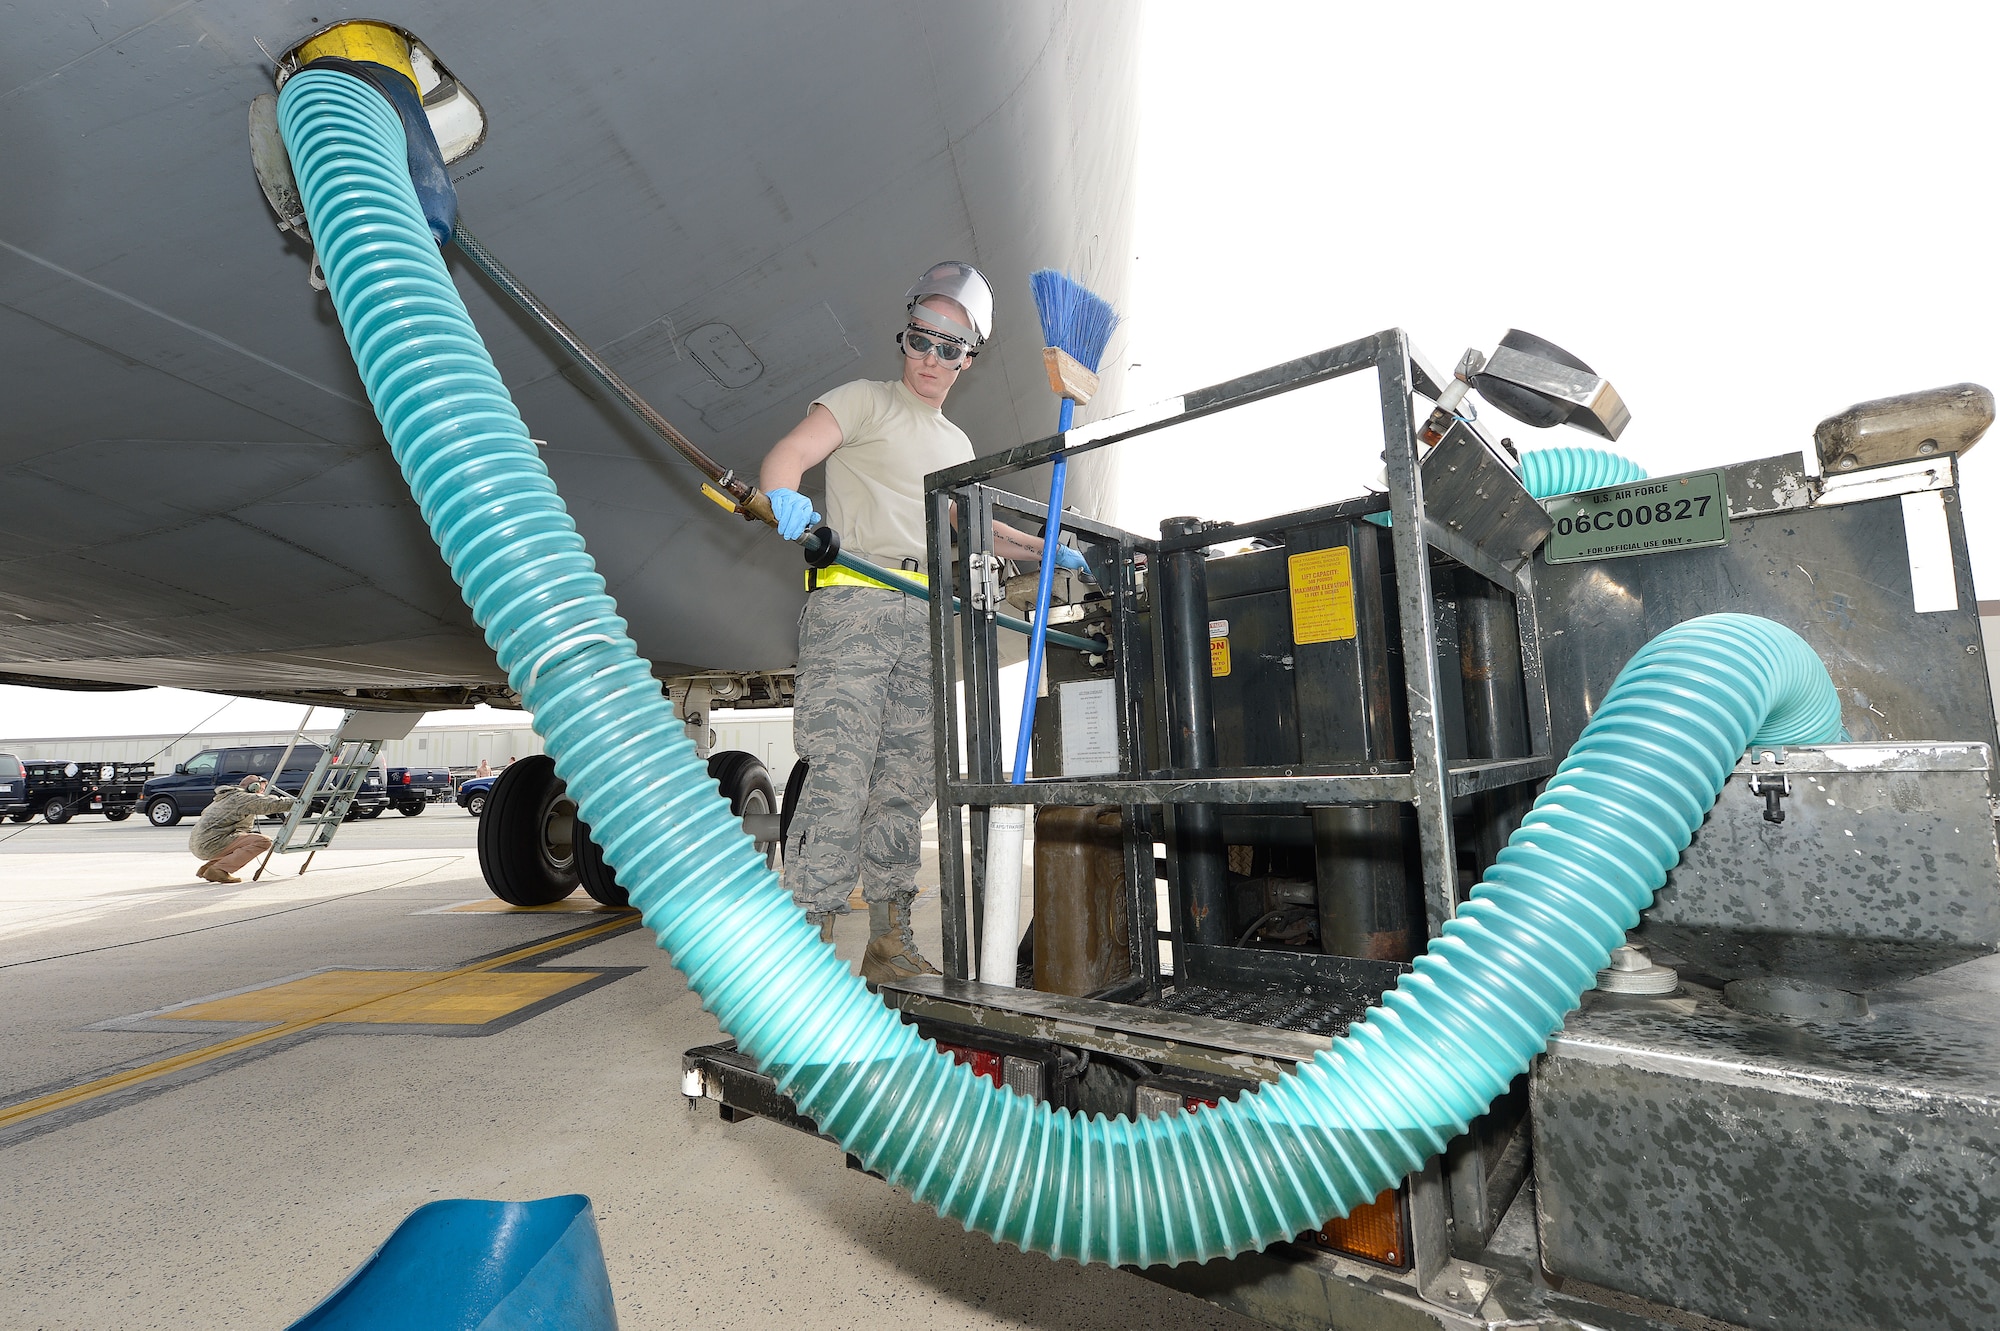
[959,282]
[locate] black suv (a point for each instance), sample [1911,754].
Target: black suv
[14,789]
[186,792]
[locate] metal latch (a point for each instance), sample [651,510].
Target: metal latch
[1773,786]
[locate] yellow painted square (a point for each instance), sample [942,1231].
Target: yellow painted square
[1322,584]
[1218,656]
[468,1000]
[388,997]
[307,997]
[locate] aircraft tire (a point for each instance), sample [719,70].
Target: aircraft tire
[795,789]
[598,880]
[528,835]
[741,774]
[746,783]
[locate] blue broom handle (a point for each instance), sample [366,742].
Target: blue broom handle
[1044,585]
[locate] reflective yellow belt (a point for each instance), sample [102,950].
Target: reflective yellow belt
[836,575]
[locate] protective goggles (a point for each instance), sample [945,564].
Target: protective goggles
[917,344]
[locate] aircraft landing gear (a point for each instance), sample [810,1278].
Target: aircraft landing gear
[528,835]
[534,850]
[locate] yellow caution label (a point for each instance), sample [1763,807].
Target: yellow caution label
[1322,595]
[1218,647]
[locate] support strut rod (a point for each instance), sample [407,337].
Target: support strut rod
[746,495]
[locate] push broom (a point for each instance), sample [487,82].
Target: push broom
[1077,324]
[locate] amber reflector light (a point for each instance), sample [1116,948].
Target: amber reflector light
[1373,1230]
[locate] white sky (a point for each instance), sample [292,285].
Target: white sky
[1747,217]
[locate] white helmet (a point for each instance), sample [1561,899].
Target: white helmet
[959,282]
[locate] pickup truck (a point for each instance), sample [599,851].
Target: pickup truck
[60,790]
[412,789]
[472,793]
[190,787]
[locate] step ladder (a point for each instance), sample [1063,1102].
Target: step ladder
[344,763]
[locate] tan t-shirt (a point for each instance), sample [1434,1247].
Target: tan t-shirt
[890,439]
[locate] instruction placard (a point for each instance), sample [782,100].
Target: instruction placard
[1322,595]
[1089,727]
[1218,647]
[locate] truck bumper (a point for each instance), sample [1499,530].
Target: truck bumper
[1286,1285]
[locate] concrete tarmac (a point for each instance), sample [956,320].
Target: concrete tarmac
[151,1183]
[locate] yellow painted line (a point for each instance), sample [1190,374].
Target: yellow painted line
[118,1081]
[581,905]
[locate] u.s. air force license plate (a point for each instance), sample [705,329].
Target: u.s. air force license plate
[1638,518]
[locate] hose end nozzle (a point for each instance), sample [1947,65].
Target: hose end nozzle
[821,547]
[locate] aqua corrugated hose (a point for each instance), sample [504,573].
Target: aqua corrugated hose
[1565,470]
[1270,1165]
[1546,472]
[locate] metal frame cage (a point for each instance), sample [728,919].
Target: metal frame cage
[1148,635]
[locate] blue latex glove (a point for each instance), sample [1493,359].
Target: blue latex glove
[1070,559]
[794,512]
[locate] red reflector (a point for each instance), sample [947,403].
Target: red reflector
[1194,1103]
[983,1064]
[1373,1230]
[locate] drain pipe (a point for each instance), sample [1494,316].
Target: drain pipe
[1273,1163]
[1000,923]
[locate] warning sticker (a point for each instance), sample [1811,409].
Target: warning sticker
[1322,595]
[1218,647]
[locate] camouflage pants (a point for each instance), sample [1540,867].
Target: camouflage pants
[862,718]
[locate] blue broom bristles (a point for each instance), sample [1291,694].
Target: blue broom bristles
[1074,317]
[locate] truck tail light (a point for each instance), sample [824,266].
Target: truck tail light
[1373,1230]
[983,1064]
[406,778]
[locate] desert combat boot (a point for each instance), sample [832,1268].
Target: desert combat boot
[892,949]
